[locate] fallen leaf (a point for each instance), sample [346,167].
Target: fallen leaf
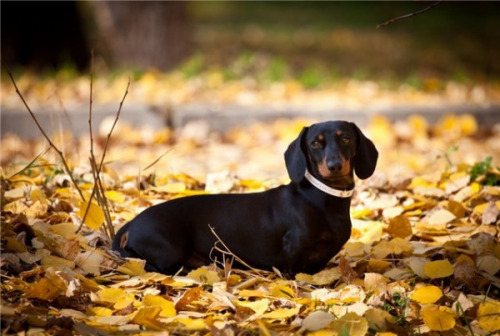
[438,318]
[488,316]
[317,320]
[351,324]
[95,215]
[438,269]
[282,313]
[167,308]
[204,275]
[488,263]
[427,294]
[399,226]
[490,214]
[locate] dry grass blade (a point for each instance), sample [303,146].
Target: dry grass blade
[29,165]
[60,153]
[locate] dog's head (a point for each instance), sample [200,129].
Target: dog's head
[331,151]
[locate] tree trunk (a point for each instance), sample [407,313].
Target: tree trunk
[141,34]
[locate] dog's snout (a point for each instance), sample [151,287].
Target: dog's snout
[334,165]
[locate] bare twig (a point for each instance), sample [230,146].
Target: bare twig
[402,17]
[98,190]
[157,160]
[228,251]
[60,153]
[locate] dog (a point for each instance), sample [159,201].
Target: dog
[295,228]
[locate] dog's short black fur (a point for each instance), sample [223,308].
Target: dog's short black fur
[294,228]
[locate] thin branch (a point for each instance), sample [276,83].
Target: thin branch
[61,155]
[157,160]
[228,251]
[96,170]
[402,17]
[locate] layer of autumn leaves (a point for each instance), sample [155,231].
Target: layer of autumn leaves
[423,257]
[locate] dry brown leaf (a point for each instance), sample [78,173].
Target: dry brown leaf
[399,226]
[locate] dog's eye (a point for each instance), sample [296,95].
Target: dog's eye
[316,144]
[346,140]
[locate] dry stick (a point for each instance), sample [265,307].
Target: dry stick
[97,178]
[229,251]
[407,15]
[101,198]
[61,155]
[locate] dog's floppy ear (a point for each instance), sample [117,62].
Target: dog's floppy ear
[366,155]
[295,158]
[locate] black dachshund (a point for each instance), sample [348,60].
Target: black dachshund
[295,228]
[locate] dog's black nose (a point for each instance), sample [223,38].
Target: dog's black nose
[334,165]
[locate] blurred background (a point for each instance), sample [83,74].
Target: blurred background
[203,66]
[324,57]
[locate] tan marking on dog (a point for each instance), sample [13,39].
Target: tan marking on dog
[323,169]
[325,172]
[346,166]
[338,133]
[321,137]
[124,240]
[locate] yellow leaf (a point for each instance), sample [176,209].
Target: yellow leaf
[282,292]
[204,275]
[282,313]
[395,246]
[11,244]
[479,209]
[112,295]
[371,231]
[50,260]
[427,294]
[351,324]
[146,317]
[356,249]
[119,297]
[438,269]
[399,227]
[38,195]
[456,208]
[488,316]
[322,333]
[307,278]
[258,306]
[327,276]
[132,267]
[191,324]
[99,311]
[115,196]
[438,318]
[377,265]
[95,215]
[44,290]
[233,280]
[167,307]
[171,188]
[66,230]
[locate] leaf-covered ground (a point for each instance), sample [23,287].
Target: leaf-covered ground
[423,258]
